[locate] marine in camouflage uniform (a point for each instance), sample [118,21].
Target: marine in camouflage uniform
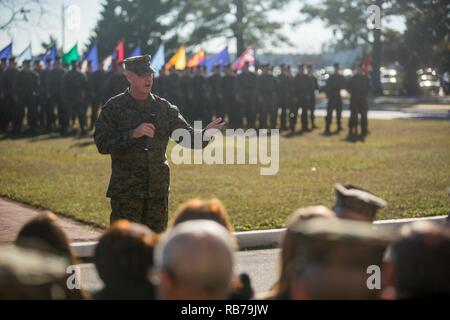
[267,88]
[26,88]
[186,94]
[359,88]
[229,97]
[139,184]
[173,87]
[199,89]
[312,95]
[54,88]
[335,83]
[8,77]
[215,92]
[302,87]
[247,93]
[74,94]
[284,85]
[3,66]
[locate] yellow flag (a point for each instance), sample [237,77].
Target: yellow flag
[196,59]
[178,59]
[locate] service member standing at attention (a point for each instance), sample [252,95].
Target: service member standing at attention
[312,94]
[359,88]
[74,88]
[335,83]
[26,88]
[134,128]
[246,93]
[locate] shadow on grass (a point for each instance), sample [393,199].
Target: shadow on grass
[19,136]
[82,144]
[43,136]
[353,138]
[292,134]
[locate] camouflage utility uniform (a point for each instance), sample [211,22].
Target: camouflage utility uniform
[139,184]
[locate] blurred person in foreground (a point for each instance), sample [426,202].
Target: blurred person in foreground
[290,248]
[195,262]
[340,260]
[213,209]
[44,235]
[197,209]
[30,274]
[124,259]
[418,263]
[356,203]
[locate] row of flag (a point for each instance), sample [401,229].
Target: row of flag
[177,61]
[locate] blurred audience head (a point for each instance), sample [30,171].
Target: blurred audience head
[195,261]
[290,247]
[197,209]
[420,261]
[42,233]
[30,274]
[124,259]
[340,259]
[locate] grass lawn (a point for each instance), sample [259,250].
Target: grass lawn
[407,162]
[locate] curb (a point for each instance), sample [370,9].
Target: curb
[251,240]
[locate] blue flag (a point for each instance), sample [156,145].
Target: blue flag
[222,58]
[108,62]
[158,59]
[92,55]
[136,52]
[50,54]
[6,52]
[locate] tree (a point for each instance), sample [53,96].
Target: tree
[16,12]
[141,22]
[247,21]
[50,43]
[425,41]
[348,20]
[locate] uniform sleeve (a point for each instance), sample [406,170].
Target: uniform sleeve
[106,136]
[177,121]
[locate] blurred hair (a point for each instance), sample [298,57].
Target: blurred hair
[124,253]
[197,209]
[198,256]
[421,261]
[42,233]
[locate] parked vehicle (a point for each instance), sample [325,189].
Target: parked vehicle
[428,81]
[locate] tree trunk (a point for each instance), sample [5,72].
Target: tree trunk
[239,30]
[376,57]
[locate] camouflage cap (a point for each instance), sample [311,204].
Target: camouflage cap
[139,65]
[29,267]
[356,200]
[341,243]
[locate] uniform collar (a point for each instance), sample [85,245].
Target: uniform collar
[150,98]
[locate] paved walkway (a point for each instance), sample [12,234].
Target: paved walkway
[13,215]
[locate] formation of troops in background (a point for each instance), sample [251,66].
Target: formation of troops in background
[57,96]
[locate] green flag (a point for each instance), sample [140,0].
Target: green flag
[72,55]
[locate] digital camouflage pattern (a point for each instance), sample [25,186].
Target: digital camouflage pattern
[139,179]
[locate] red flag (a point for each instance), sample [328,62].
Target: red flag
[247,55]
[367,63]
[121,51]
